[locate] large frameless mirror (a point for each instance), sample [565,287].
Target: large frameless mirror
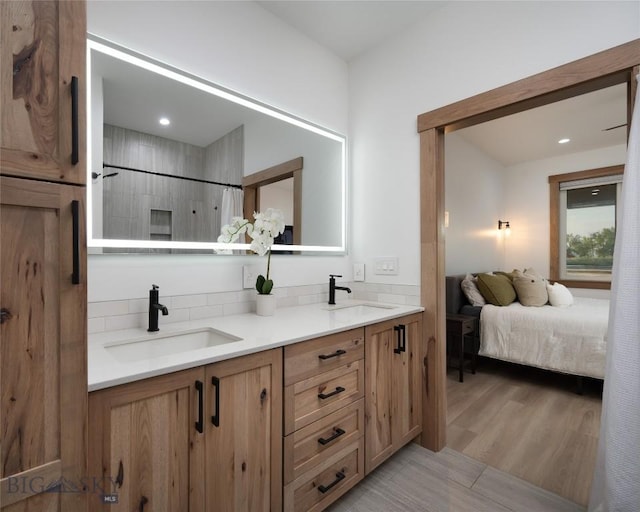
[174,157]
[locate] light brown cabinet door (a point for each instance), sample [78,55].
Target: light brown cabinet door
[379,343]
[146,451]
[43,45]
[244,434]
[43,374]
[407,381]
[393,377]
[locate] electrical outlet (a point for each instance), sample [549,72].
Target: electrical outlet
[385,266]
[249,276]
[358,271]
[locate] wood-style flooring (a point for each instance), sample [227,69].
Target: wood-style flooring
[418,480]
[527,422]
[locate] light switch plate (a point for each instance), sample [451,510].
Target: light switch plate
[385,266]
[358,271]
[249,276]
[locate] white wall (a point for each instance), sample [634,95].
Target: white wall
[462,49]
[474,198]
[243,47]
[527,202]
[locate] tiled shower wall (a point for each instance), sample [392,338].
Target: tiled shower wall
[133,313]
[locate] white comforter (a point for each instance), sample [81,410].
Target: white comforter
[569,339]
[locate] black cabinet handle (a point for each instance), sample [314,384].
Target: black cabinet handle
[75,214]
[120,477]
[200,422]
[75,131]
[339,389]
[5,315]
[335,354]
[339,477]
[215,419]
[143,501]
[337,432]
[402,339]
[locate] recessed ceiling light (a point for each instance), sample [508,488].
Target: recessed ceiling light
[164,121]
[563,141]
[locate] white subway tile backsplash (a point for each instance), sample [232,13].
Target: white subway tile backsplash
[175,315]
[132,313]
[214,299]
[140,305]
[95,324]
[117,322]
[110,308]
[188,301]
[238,308]
[206,312]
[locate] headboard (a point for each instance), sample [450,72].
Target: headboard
[455,298]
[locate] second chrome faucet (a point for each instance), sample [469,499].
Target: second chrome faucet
[333,288]
[154,308]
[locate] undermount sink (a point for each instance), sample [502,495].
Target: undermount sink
[163,344]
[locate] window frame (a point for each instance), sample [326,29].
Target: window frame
[555,228]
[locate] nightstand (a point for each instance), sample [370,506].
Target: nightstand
[459,327]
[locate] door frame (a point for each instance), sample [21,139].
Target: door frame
[610,67]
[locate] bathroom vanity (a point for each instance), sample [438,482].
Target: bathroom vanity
[258,413]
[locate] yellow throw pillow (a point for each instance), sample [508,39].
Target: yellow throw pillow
[496,289]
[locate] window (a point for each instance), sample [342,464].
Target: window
[583,226]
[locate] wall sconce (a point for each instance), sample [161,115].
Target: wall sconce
[504,224]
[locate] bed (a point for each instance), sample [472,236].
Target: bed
[569,340]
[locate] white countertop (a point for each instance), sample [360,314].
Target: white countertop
[256,333]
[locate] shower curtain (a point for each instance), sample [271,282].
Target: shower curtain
[232,205]
[616,481]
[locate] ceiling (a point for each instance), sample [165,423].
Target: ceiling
[534,134]
[349,28]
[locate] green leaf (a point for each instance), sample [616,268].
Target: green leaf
[267,287]
[260,283]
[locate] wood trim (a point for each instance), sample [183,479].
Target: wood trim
[432,289]
[272,174]
[283,171]
[597,285]
[45,474]
[603,69]
[554,222]
[589,173]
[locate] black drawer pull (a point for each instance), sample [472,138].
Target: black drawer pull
[337,433]
[402,339]
[143,501]
[75,126]
[200,422]
[75,227]
[215,419]
[335,354]
[339,389]
[339,477]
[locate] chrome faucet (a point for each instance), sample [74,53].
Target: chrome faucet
[154,307]
[333,288]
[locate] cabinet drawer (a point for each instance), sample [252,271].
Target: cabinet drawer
[318,488]
[309,358]
[315,443]
[309,400]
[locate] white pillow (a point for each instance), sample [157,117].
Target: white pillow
[470,289]
[559,295]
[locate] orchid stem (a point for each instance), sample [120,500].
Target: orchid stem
[268,263]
